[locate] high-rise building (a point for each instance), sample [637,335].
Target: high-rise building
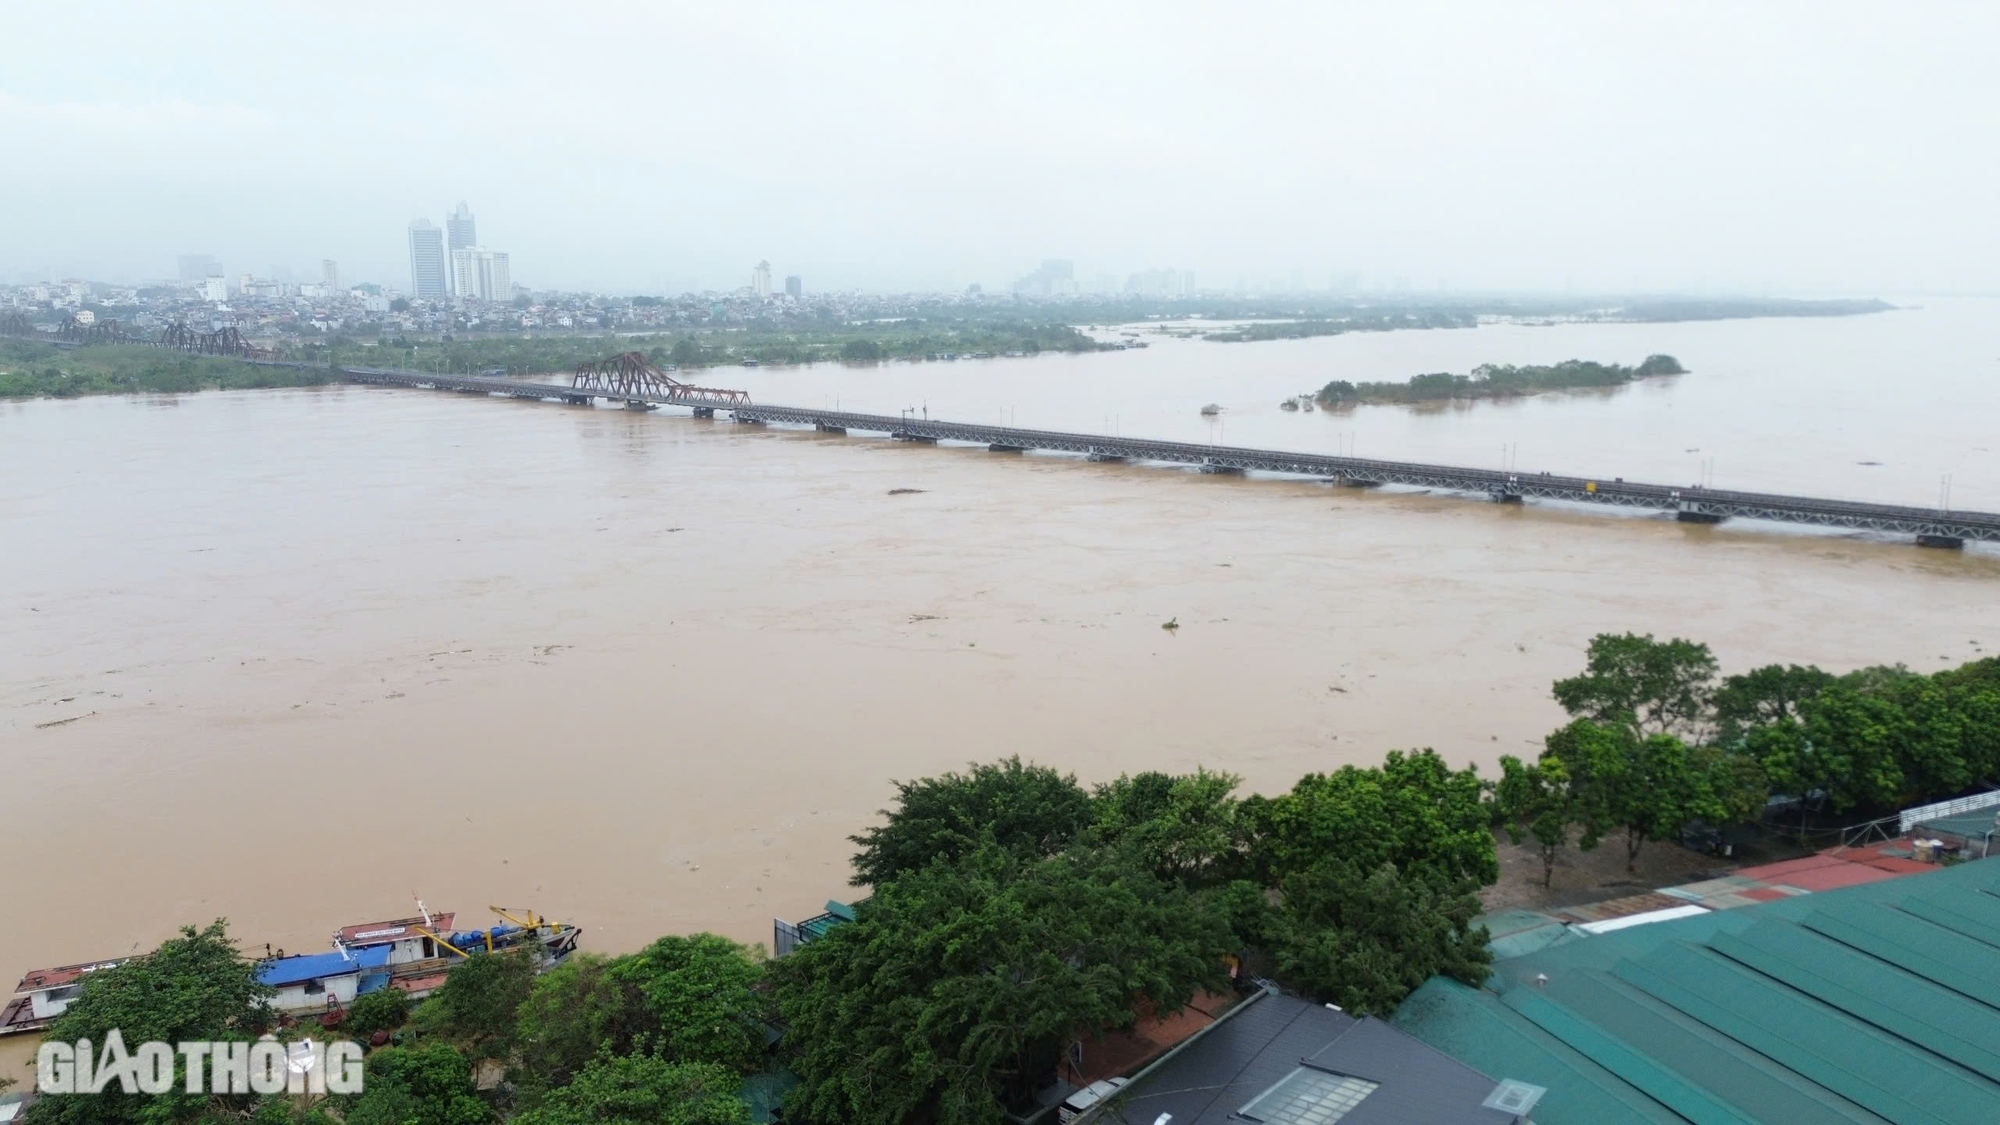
[760,279]
[481,274]
[461,231]
[215,288]
[1054,276]
[198,267]
[329,274]
[795,286]
[427,261]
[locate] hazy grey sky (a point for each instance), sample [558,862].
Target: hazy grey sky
[650,146]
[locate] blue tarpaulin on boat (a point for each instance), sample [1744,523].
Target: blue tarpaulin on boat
[315,966]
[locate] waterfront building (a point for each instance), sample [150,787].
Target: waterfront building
[427,261]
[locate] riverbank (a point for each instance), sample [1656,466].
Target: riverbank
[1492,380]
[34,370]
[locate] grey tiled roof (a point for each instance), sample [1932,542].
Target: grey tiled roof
[1251,1051]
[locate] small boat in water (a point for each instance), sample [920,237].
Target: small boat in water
[413,955]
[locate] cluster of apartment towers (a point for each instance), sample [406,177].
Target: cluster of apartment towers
[451,263]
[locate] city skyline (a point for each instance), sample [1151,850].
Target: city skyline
[1659,152]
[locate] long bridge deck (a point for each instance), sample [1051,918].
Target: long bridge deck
[1931,527]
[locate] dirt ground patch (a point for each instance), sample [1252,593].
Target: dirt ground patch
[1591,876]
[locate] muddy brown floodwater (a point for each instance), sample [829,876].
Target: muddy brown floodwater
[290,657]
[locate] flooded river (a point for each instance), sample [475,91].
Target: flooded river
[290,656]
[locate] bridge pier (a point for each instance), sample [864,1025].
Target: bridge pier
[1941,542]
[704,411]
[1691,512]
[998,448]
[577,400]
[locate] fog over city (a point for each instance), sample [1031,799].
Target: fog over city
[1802,148]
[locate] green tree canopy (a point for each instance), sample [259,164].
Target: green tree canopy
[193,987]
[1658,687]
[641,1090]
[576,1012]
[385,1009]
[1030,810]
[1534,799]
[426,1085]
[1412,811]
[702,993]
[476,1004]
[1766,695]
[1184,826]
[1643,787]
[1365,940]
[958,987]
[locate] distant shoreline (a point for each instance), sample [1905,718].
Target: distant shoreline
[1652,311]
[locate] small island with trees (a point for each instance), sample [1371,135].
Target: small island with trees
[1495,380]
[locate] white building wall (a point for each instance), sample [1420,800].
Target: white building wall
[295,998]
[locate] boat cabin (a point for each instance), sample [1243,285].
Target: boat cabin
[405,938]
[43,995]
[318,982]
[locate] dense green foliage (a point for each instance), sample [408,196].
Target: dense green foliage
[958,986]
[1655,687]
[429,1084]
[763,343]
[1365,939]
[1659,741]
[35,370]
[640,1090]
[1015,914]
[1031,811]
[1491,380]
[193,987]
[1185,829]
[476,1005]
[1413,812]
[385,1009]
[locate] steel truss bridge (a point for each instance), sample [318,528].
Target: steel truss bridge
[1931,527]
[176,337]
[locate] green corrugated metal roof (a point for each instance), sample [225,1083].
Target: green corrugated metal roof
[1867,1004]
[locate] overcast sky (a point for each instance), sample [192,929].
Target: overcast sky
[1762,147]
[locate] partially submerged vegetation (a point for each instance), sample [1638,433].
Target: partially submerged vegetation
[29,369]
[1493,380]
